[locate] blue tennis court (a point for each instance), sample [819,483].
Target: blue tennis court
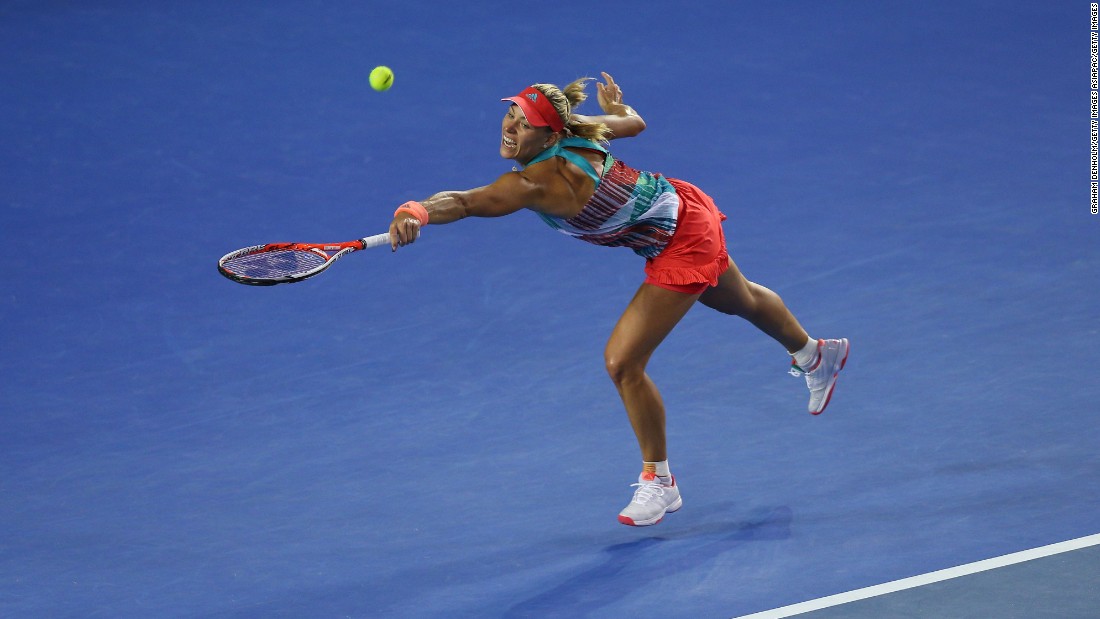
[432,433]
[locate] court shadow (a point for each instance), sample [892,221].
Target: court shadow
[623,567]
[617,570]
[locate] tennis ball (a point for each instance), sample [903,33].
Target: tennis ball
[381,78]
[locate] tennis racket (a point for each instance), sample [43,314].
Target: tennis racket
[286,263]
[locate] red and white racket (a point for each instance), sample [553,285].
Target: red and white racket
[286,263]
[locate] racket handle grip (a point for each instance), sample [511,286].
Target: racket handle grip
[376,240]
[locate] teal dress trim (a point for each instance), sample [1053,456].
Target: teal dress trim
[559,150]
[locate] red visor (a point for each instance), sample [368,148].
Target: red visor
[538,109]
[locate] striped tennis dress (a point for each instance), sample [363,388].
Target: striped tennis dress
[629,208]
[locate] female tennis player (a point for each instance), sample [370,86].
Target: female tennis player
[574,184]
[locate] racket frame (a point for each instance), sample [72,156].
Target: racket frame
[341,249]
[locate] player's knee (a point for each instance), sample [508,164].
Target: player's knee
[765,300]
[622,369]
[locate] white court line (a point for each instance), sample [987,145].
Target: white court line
[926,579]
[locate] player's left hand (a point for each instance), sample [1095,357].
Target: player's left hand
[609,95]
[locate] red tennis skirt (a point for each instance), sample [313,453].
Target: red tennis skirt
[696,256]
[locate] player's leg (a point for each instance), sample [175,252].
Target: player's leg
[737,296]
[819,360]
[645,323]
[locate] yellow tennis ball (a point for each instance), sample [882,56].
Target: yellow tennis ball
[381,78]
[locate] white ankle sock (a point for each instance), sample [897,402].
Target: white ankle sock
[658,468]
[805,357]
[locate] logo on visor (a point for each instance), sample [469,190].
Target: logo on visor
[532,96]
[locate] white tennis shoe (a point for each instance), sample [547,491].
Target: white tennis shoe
[821,377]
[652,500]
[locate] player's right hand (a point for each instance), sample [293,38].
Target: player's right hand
[404,229]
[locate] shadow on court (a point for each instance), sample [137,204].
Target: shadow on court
[484,585]
[623,569]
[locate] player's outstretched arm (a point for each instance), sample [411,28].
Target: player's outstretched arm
[508,194]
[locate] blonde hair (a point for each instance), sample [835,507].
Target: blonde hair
[565,100]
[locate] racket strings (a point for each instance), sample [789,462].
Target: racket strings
[274,264]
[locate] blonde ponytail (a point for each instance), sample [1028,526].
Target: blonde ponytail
[568,99]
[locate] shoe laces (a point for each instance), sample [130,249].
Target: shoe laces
[647,491]
[795,370]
